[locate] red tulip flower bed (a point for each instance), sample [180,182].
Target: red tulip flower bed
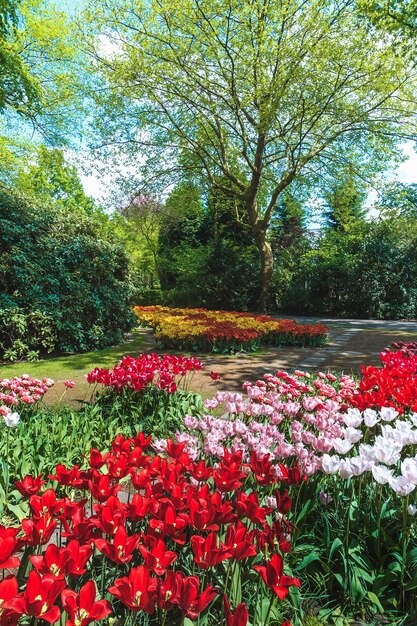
[189,544]
[392,385]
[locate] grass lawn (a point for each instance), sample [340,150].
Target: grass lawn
[74,367]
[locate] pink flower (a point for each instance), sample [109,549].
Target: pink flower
[69,384]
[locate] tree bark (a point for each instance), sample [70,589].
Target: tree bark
[266,258]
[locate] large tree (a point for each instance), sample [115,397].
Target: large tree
[252,91]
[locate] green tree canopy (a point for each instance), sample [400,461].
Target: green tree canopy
[254,92]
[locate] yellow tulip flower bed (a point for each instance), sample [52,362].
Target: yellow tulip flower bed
[225,331]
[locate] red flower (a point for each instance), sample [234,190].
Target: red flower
[200,472]
[273,577]
[239,541]
[82,608]
[157,558]
[96,460]
[8,591]
[68,561]
[239,617]
[121,548]
[170,523]
[46,504]
[136,591]
[248,505]
[40,531]
[169,590]
[283,502]
[101,487]
[38,598]
[190,601]
[29,486]
[206,553]
[214,375]
[263,470]
[138,507]
[8,545]
[201,517]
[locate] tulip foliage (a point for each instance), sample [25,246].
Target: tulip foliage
[151,535]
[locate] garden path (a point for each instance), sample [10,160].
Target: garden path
[351,342]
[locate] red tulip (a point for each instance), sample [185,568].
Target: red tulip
[120,549]
[239,541]
[169,590]
[263,470]
[29,486]
[136,591]
[8,591]
[239,617]
[82,607]
[38,598]
[40,531]
[206,553]
[8,545]
[273,577]
[190,601]
[157,558]
[68,561]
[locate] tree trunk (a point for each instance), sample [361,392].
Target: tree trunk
[266,258]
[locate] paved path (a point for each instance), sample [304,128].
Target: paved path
[351,343]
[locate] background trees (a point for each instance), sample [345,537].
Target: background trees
[253,93]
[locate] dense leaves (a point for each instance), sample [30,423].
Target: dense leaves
[58,263]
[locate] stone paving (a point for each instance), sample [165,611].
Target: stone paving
[351,342]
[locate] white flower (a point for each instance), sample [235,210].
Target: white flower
[386,451]
[388,413]
[412,510]
[367,452]
[370,418]
[345,469]
[402,486]
[353,418]
[353,435]
[11,419]
[409,470]
[382,474]
[358,465]
[413,418]
[330,464]
[342,446]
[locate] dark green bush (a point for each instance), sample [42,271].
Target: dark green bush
[26,335]
[61,263]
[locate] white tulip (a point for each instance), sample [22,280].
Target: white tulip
[388,413]
[342,446]
[353,435]
[402,486]
[382,474]
[330,464]
[412,510]
[353,418]
[370,418]
[11,419]
[409,470]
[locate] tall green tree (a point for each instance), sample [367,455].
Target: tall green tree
[256,92]
[398,200]
[344,203]
[49,177]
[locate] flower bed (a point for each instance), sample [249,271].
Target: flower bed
[225,331]
[193,542]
